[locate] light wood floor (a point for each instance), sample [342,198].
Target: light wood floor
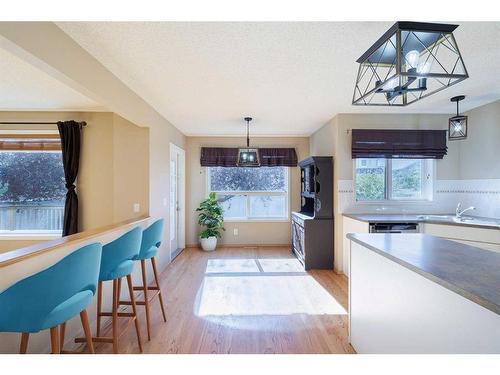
[244,300]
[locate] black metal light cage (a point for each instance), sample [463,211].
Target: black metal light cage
[411,61]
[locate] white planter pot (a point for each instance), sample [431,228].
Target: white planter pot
[208,244]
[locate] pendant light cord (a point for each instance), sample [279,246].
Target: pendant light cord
[248,133]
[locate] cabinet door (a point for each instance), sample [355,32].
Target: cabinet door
[298,238]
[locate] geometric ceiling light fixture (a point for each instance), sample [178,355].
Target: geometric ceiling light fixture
[457,125]
[248,157]
[411,61]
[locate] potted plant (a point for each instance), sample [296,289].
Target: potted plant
[211,217]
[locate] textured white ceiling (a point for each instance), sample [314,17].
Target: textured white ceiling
[291,77]
[24,87]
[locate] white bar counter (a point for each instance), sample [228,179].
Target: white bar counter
[416,293]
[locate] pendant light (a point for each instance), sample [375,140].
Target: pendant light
[457,125]
[248,157]
[411,61]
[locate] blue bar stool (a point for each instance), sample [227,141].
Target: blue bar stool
[151,241]
[116,263]
[52,297]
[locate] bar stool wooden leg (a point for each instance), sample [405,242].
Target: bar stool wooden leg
[54,340]
[99,306]
[155,272]
[119,290]
[134,310]
[62,333]
[115,316]
[146,299]
[86,329]
[24,343]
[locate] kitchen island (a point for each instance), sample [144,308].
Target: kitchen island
[416,293]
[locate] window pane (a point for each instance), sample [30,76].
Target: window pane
[32,191]
[234,206]
[273,206]
[407,179]
[370,179]
[248,179]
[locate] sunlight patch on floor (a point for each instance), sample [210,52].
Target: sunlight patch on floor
[280,287]
[231,266]
[281,265]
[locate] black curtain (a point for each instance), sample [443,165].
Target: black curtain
[70,133]
[395,143]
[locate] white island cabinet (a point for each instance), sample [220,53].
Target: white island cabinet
[416,293]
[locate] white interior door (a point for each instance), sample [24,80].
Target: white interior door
[177,200]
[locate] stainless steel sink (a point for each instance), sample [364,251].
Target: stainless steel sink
[471,220]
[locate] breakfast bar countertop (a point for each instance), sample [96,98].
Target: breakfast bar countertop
[466,270]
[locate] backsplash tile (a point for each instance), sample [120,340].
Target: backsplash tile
[483,194]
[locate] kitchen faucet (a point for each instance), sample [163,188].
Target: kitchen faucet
[459,213]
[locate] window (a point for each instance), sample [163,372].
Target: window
[393,179]
[251,193]
[32,192]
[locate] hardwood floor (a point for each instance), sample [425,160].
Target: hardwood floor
[244,300]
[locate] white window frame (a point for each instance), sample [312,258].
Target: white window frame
[30,234]
[428,170]
[248,194]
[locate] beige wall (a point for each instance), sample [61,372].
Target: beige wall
[249,232]
[130,169]
[114,163]
[482,145]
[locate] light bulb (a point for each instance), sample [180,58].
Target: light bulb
[424,68]
[412,58]
[391,84]
[244,156]
[250,157]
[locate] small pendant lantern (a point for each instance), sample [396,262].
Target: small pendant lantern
[457,125]
[248,157]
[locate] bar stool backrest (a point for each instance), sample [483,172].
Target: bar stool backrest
[124,248]
[152,236]
[25,305]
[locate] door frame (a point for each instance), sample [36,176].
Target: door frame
[180,154]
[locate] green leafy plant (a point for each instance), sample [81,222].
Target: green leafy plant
[211,217]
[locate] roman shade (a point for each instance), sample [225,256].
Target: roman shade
[228,157]
[391,144]
[30,142]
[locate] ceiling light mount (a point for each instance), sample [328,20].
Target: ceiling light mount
[248,157]
[411,61]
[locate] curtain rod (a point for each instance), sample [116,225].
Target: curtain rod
[81,123]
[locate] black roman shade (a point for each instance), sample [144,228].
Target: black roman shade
[392,143]
[278,157]
[228,156]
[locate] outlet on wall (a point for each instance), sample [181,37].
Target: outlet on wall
[136,207]
[165,202]
[235,231]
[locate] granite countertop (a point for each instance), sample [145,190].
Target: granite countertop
[469,271]
[448,219]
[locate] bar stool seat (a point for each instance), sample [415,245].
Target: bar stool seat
[122,270]
[149,253]
[68,309]
[117,263]
[151,241]
[53,296]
